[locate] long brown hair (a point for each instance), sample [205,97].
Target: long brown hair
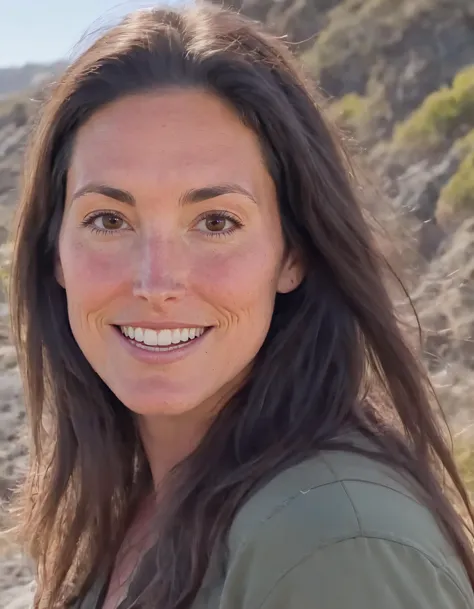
[334,358]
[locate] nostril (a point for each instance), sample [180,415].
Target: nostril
[159,292]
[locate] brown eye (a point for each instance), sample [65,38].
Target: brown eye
[215,224]
[109,222]
[218,224]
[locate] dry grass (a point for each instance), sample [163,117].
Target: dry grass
[444,298]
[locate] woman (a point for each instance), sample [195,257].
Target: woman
[224,412]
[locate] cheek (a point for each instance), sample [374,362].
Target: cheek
[90,274]
[241,281]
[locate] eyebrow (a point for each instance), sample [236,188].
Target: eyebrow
[193,195]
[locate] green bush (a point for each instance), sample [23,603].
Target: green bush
[464,456]
[465,145]
[457,196]
[349,109]
[440,115]
[360,29]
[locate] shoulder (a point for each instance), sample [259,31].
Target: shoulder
[338,511]
[337,496]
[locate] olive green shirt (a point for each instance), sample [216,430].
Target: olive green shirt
[338,531]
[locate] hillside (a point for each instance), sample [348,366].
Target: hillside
[16,79]
[379,61]
[399,77]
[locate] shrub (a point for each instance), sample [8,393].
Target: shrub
[356,35]
[465,145]
[19,114]
[440,115]
[464,454]
[457,196]
[15,107]
[349,109]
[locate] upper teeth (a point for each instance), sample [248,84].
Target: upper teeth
[161,338]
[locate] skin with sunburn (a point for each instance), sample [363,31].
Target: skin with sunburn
[171,223]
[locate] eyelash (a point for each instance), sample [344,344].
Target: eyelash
[225,215]
[221,215]
[89,222]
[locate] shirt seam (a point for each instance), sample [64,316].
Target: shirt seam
[315,551]
[345,479]
[304,491]
[342,482]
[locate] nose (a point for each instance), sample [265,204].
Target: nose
[161,272]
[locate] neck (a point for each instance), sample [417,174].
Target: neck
[168,440]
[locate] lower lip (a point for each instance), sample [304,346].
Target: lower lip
[152,356]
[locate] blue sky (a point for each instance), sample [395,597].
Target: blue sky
[47,30]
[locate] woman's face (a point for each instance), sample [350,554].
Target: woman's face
[171,250]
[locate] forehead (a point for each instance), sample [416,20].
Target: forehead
[167,136]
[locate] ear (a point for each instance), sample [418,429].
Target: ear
[291,274]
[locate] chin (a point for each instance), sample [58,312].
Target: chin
[164,407]
[160,401]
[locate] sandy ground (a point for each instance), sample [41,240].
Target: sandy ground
[16,589]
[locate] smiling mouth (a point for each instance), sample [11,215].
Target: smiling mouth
[161,340]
